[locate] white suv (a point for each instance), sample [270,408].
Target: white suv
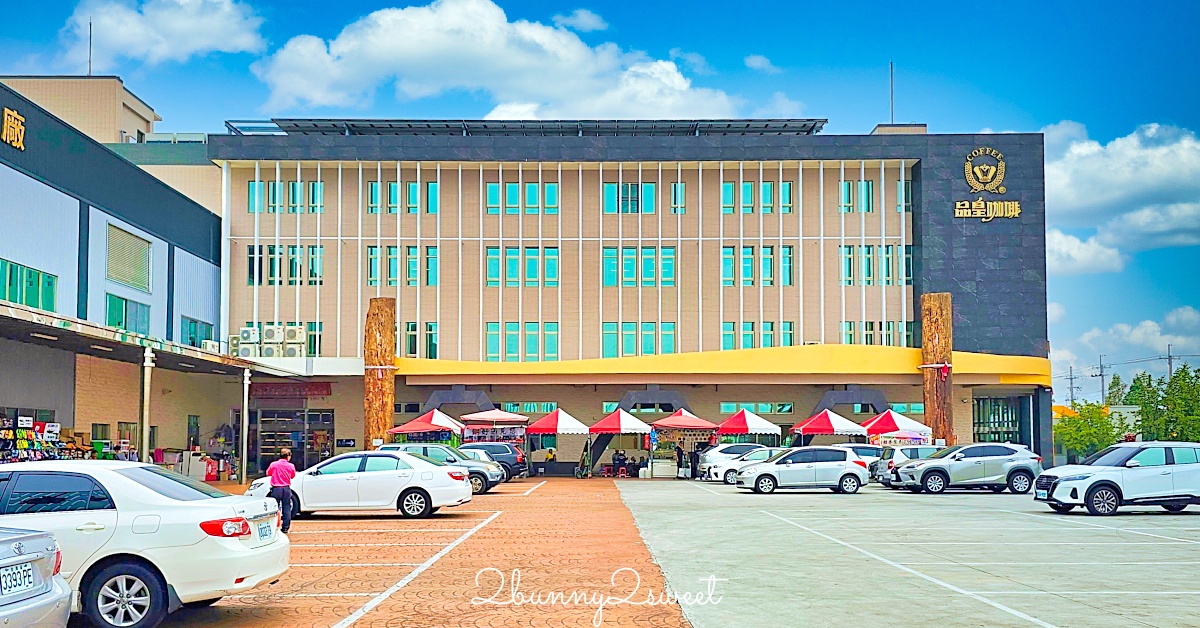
[1163,474]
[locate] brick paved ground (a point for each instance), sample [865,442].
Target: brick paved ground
[567,535]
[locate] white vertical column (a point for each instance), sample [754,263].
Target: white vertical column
[561,258]
[900,268]
[862,241]
[737,274]
[600,284]
[541,260]
[226,247]
[521,200]
[883,315]
[659,208]
[338,278]
[678,255]
[779,281]
[842,234]
[358,240]
[278,256]
[503,258]
[721,250]
[299,245]
[800,248]
[821,240]
[260,206]
[761,242]
[320,328]
[400,201]
[458,270]
[700,256]
[579,254]
[621,262]
[482,355]
[638,260]
[441,257]
[380,253]
[417,288]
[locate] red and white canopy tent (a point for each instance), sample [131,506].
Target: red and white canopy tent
[683,420]
[619,422]
[557,422]
[890,421]
[494,425]
[432,421]
[746,422]
[828,422]
[494,417]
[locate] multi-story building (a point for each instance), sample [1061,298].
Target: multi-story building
[589,264]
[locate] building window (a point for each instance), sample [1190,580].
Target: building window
[768,334]
[787,336]
[254,197]
[412,197]
[27,286]
[887,334]
[747,335]
[493,198]
[904,199]
[678,198]
[916,408]
[998,419]
[768,196]
[910,334]
[727,190]
[667,339]
[274,197]
[128,261]
[649,198]
[908,264]
[313,337]
[866,196]
[629,267]
[648,339]
[747,266]
[316,197]
[128,315]
[609,340]
[393,265]
[533,266]
[888,272]
[747,197]
[609,264]
[512,267]
[194,332]
[551,198]
[492,351]
[295,274]
[628,338]
[532,198]
[846,199]
[273,264]
[393,197]
[372,266]
[868,332]
[550,342]
[531,342]
[631,202]
[410,339]
[316,265]
[432,200]
[847,332]
[727,266]
[412,265]
[668,266]
[551,258]
[649,266]
[768,266]
[101,431]
[727,336]
[373,197]
[512,342]
[493,266]
[847,265]
[786,266]
[868,264]
[785,197]
[431,265]
[295,196]
[431,341]
[512,198]
[758,407]
[610,198]
[631,198]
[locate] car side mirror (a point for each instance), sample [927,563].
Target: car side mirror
[959,456]
[315,472]
[1133,463]
[451,459]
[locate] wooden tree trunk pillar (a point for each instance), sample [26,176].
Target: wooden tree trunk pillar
[937,345]
[379,356]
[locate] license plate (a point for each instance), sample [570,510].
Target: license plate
[16,578]
[1041,494]
[265,531]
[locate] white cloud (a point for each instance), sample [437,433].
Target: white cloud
[1068,255]
[1148,336]
[693,61]
[581,20]
[778,106]
[761,63]
[527,68]
[157,31]
[1055,312]
[1183,319]
[1153,227]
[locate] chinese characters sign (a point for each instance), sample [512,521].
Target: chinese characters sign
[12,129]
[983,170]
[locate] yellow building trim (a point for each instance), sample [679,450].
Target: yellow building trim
[808,360]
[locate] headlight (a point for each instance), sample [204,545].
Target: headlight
[1075,478]
[258,483]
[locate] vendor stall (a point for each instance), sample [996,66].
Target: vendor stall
[494,426]
[746,427]
[622,423]
[827,422]
[687,430]
[547,431]
[434,426]
[892,428]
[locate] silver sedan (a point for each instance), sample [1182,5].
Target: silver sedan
[33,594]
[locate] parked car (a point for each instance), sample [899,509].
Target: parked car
[884,469]
[138,541]
[867,453]
[1156,473]
[373,480]
[722,453]
[508,455]
[834,468]
[981,465]
[483,475]
[727,471]
[477,454]
[33,592]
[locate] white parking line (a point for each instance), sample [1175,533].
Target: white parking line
[910,570]
[279,595]
[367,544]
[381,530]
[1040,564]
[1049,518]
[1117,543]
[705,488]
[535,487]
[354,564]
[380,598]
[1064,593]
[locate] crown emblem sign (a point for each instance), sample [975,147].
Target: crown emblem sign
[984,172]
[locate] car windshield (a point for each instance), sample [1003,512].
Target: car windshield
[888,453]
[458,453]
[1110,457]
[425,458]
[777,455]
[171,484]
[942,453]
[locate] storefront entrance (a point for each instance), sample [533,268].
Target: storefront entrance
[308,433]
[1003,419]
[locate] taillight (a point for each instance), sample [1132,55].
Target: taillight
[891,465]
[227,528]
[860,463]
[279,518]
[520,454]
[457,476]
[1038,458]
[57,562]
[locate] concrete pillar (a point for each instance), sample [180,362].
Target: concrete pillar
[244,436]
[144,421]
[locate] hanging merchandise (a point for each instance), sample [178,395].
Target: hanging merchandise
[38,441]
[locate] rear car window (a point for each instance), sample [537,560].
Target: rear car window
[739,449]
[172,485]
[55,492]
[829,455]
[1184,455]
[889,453]
[436,463]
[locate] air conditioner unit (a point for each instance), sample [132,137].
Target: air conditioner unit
[248,335]
[293,351]
[294,334]
[247,351]
[270,351]
[234,343]
[272,334]
[211,346]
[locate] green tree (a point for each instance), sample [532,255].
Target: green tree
[1181,404]
[1146,393]
[1117,390]
[1091,430]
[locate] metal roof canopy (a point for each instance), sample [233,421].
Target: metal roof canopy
[545,128]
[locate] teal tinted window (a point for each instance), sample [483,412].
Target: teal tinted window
[610,198]
[551,258]
[551,198]
[493,198]
[668,266]
[609,340]
[493,266]
[609,267]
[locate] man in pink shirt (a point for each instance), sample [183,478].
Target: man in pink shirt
[281,473]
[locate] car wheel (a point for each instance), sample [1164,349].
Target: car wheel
[849,484]
[296,512]
[478,484]
[731,477]
[126,595]
[415,504]
[1102,500]
[508,473]
[934,482]
[1020,482]
[764,484]
[201,603]
[1061,508]
[998,488]
[1174,507]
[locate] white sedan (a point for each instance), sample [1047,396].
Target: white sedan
[138,541]
[726,470]
[372,480]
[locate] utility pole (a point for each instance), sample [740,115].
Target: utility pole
[1170,364]
[892,90]
[1071,387]
[1103,387]
[89,46]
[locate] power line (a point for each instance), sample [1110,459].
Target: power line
[1071,387]
[1103,388]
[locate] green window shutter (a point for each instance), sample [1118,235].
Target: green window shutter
[116,311]
[128,259]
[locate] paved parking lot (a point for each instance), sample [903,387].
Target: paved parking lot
[890,558]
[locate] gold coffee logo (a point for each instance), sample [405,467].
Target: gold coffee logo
[983,176]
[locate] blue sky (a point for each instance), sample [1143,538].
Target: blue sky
[1115,90]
